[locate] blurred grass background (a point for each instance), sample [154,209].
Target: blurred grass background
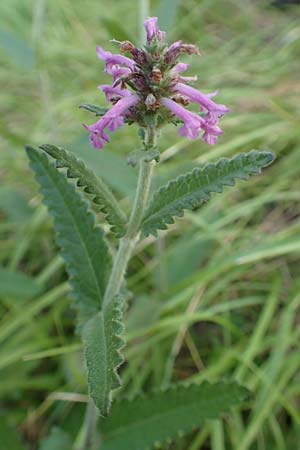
[215,297]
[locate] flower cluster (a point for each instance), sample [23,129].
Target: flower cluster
[149,87]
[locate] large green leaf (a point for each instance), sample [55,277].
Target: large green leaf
[91,184]
[189,191]
[83,245]
[140,423]
[103,342]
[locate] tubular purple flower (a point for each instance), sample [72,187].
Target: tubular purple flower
[118,72]
[203,100]
[211,131]
[150,82]
[153,31]
[111,93]
[192,122]
[112,120]
[172,52]
[177,48]
[179,68]
[112,60]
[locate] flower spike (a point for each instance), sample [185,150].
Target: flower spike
[148,87]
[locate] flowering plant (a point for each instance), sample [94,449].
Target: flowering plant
[147,89]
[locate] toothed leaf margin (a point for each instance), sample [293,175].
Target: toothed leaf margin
[100,193]
[158,417]
[189,191]
[83,245]
[103,342]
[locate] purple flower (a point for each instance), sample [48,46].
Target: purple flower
[113,93]
[113,60]
[153,31]
[150,82]
[203,100]
[192,123]
[179,68]
[177,48]
[112,120]
[118,72]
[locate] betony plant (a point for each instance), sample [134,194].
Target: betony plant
[148,89]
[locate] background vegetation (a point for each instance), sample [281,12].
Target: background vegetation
[218,296]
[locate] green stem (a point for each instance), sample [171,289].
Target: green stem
[126,247]
[129,241]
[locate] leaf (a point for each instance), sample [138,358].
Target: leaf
[102,343]
[91,184]
[189,191]
[57,439]
[97,110]
[154,418]
[83,245]
[15,284]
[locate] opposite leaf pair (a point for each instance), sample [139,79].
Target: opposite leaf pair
[86,252]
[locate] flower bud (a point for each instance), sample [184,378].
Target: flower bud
[181,99]
[126,46]
[151,103]
[156,75]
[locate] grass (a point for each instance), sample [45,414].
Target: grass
[218,295]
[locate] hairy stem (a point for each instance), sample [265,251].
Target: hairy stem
[128,242]
[126,247]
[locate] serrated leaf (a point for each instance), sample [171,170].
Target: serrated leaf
[155,418]
[57,439]
[102,343]
[83,245]
[189,191]
[91,184]
[97,110]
